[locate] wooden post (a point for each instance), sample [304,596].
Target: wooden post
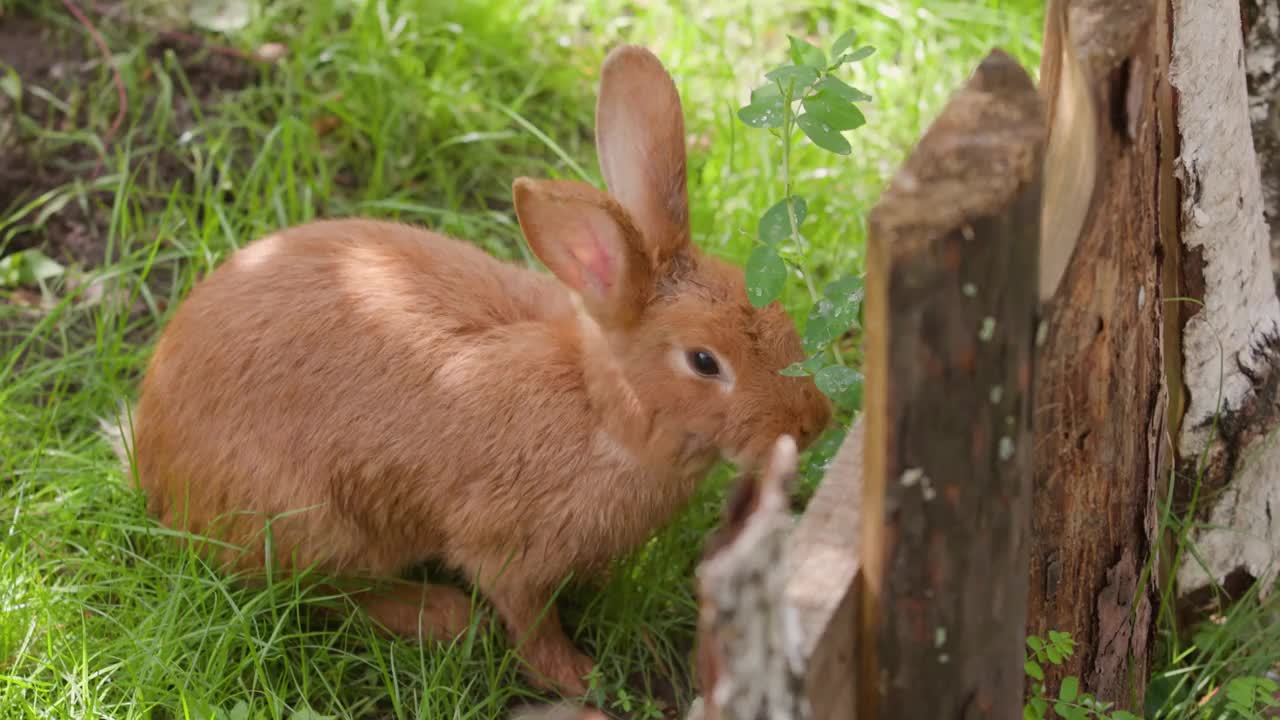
[951,316]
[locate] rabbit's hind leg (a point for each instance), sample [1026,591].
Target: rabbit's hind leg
[432,612]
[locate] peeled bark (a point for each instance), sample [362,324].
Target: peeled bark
[777,602]
[1099,403]
[750,657]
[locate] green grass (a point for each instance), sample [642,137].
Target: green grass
[422,111]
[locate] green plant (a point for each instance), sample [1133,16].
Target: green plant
[829,109]
[1246,696]
[1070,703]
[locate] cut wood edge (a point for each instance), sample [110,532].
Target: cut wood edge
[1071,155]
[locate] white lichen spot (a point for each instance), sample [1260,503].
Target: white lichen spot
[988,329]
[939,636]
[944,658]
[1042,333]
[967,231]
[915,476]
[996,394]
[969,290]
[1006,447]
[1142,298]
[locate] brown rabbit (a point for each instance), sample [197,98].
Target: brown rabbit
[383,395]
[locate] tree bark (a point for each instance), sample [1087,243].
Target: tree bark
[1100,410]
[750,654]
[952,294]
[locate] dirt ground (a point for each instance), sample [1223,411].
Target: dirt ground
[61,59]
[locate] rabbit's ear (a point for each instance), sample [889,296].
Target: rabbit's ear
[640,141]
[589,242]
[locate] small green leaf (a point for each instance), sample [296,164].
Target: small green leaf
[1035,643]
[1069,690]
[834,111]
[1055,656]
[834,313]
[1033,669]
[840,383]
[795,369]
[766,276]
[861,53]
[823,135]
[11,84]
[793,77]
[765,113]
[1040,707]
[1124,715]
[844,42]
[775,225]
[239,711]
[804,52]
[28,267]
[842,89]
[1241,691]
[1063,642]
[815,363]
[851,399]
[808,366]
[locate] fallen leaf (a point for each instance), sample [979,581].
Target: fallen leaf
[271,52]
[325,125]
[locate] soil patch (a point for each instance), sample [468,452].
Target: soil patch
[47,57]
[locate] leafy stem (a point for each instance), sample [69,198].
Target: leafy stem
[807,95]
[788,131]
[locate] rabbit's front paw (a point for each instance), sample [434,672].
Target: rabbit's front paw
[561,668]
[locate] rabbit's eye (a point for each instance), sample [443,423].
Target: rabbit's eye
[704,363]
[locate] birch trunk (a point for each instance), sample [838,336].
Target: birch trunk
[1229,457]
[1262,68]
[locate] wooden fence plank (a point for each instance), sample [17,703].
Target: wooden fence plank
[951,316]
[823,556]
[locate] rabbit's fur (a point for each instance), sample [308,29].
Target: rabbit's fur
[386,395]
